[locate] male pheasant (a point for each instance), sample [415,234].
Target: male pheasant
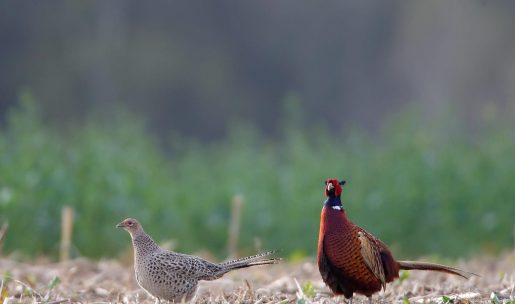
[172,276]
[351,260]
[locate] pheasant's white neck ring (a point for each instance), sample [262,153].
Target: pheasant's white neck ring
[334,202]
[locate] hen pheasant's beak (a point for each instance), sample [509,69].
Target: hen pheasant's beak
[120,225]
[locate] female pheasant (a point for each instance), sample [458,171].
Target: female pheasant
[173,276]
[352,260]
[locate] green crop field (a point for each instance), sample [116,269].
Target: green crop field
[439,187]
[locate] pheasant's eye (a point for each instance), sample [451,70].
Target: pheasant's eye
[130,223]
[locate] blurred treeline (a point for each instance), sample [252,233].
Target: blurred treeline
[424,186]
[195,67]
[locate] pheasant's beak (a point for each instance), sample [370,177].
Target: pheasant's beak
[120,225]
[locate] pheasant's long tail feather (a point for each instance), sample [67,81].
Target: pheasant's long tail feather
[412,265]
[258,259]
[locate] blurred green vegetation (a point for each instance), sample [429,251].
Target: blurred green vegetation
[424,186]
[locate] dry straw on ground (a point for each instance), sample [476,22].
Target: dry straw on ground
[109,281]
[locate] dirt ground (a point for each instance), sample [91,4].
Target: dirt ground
[109,281]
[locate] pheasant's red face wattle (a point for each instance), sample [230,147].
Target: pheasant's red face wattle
[333,187]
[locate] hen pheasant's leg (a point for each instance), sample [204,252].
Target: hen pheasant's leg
[158,301]
[370,300]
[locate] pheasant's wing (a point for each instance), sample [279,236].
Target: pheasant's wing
[372,255]
[183,265]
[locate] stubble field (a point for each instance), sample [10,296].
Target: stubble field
[110,281]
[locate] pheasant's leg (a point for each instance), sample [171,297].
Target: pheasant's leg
[350,300]
[370,300]
[382,296]
[158,301]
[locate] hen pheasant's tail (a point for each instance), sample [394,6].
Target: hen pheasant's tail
[412,265]
[258,259]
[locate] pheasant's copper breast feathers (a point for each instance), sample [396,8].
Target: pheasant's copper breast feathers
[343,251]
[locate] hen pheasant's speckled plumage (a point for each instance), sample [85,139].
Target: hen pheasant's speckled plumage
[174,276]
[352,260]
